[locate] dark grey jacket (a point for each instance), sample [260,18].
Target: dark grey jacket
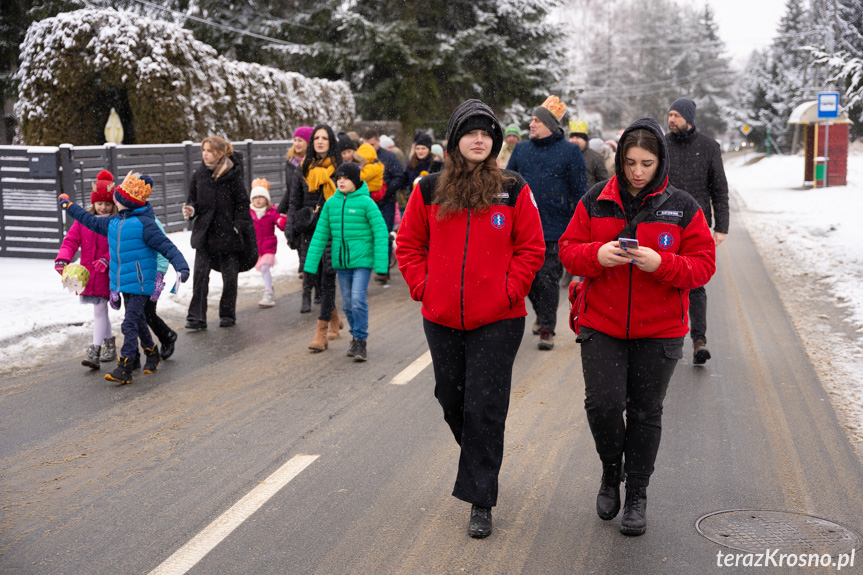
[695,165]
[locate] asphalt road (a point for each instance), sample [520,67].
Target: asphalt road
[97,479]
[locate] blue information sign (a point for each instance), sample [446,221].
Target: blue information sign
[828,104]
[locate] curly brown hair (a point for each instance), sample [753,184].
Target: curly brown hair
[460,188]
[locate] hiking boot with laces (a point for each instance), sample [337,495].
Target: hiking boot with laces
[608,498]
[546,339]
[480,522]
[634,511]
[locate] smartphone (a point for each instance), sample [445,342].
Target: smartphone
[628,243]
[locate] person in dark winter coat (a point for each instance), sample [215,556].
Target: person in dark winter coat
[469,245]
[420,160]
[134,241]
[322,159]
[630,310]
[295,187]
[594,163]
[218,205]
[554,169]
[696,167]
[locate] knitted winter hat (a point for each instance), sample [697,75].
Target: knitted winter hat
[596,144]
[103,188]
[134,191]
[351,171]
[474,115]
[437,150]
[304,132]
[550,112]
[260,187]
[686,108]
[578,128]
[345,142]
[386,142]
[512,130]
[423,139]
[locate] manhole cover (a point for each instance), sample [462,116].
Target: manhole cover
[755,531]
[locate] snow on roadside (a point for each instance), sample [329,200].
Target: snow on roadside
[812,240]
[41,317]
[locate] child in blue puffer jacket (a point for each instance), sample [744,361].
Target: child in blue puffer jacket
[134,241]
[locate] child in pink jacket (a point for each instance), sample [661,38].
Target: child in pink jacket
[94,257]
[266,219]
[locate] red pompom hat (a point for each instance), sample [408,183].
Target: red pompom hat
[103,188]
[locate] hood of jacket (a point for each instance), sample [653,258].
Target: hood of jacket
[660,178]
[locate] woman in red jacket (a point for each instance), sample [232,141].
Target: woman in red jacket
[630,312]
[469,245]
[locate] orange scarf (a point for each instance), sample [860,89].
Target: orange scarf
[321,176]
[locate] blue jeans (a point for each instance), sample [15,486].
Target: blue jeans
[354,284]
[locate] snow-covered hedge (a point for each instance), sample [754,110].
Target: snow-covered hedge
[177,88]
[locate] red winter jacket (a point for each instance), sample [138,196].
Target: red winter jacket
[624,301]
[474,267]
[93,247]
[265,229]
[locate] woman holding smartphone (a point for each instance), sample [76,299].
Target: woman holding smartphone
[469,245]
[630,311]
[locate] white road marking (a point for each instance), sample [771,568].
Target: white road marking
[189,554]
[413,369]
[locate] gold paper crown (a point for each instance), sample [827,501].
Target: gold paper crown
[261,182]
[134,188]
[555,106]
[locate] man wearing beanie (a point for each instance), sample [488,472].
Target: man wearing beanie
[594,163]
[695,165]
[554,170]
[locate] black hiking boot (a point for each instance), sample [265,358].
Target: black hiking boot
[168,345]
[608,498]
[360,351]
[634,511]
[153,359]
[480,522]
[352,349]
[700,353]
[122,374]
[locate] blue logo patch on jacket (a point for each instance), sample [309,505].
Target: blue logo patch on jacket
[498,220]
[665,240]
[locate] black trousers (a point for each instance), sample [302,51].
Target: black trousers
[159,327]
[230,267]
[627,375]
[473,377]
[325,284]
[545,290]
[698,314]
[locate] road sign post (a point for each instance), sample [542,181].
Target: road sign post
[828,107]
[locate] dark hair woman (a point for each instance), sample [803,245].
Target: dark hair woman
[319,165]
[218,205]
[630,310]
[469,245]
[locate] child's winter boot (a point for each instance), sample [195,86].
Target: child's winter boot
[109,349]
[153,359]
[92,359]
[123,372]
[334,326]
[267,300]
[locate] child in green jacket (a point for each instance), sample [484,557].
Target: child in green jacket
[359,235]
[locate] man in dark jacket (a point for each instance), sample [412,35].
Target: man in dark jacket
[394,178]
[696,167]
[554,170]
